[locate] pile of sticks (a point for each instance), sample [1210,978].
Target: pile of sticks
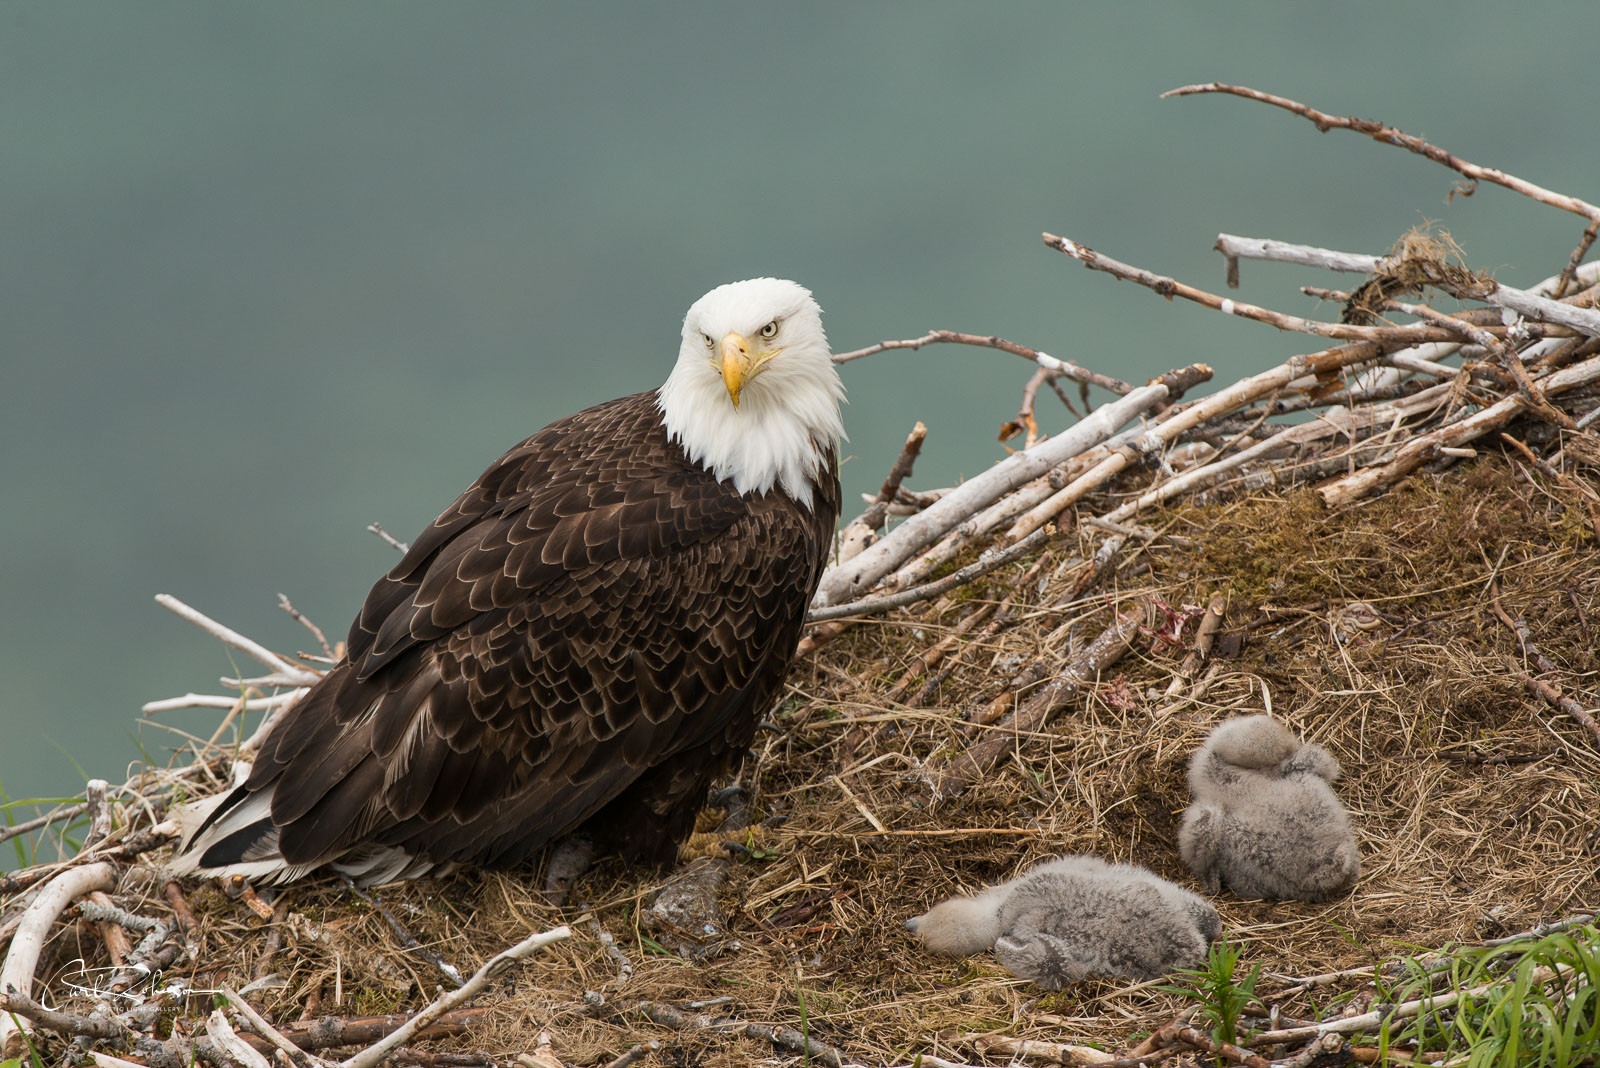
[1392,398]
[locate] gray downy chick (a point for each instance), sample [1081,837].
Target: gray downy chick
[1075,916]
[1265,820]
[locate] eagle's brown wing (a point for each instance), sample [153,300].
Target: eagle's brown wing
[595,622]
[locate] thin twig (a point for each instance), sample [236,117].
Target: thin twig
[259,1023]
[389,539]
[863,530]
[229,636]
[1569,273]
[301,618]
[374,1054]
[1065,368]
[68,813]
[407,939]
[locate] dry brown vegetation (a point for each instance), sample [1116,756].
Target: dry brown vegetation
[1474,800]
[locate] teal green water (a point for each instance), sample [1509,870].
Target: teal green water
[269,273]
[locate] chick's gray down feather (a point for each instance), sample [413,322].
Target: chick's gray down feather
[1265,820]
[1077,916]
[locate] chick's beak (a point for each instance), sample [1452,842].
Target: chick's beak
[735,364]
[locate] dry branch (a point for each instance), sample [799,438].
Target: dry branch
[952,777]
[492,968]
[1204,635]
[287,668]
[1225,1050]
[863,530]
[783,1037]
[1390,136]
[1046,362]
[330,1031]
[990,561]
[67,812]
[22,958]
[1171,287]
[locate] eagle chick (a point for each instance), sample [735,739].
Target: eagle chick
[1265,820]
[1076,916]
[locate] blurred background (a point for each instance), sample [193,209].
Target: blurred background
[272,272]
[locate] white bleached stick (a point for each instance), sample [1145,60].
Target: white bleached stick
[222,1034]
[1526,302]
[374,1054]
[22,959]
[857,575]
[201,700]
[1234,247]
[288,668]
[872,606]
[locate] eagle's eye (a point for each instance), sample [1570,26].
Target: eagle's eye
[769,331]
[707,339]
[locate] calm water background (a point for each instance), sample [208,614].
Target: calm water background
[271,272]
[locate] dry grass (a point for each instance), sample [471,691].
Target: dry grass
[1406,696]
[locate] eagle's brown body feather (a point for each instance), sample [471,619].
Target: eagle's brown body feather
[585,639]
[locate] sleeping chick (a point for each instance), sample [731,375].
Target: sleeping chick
[1075,916]
[1265,820]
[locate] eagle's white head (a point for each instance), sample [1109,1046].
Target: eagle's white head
[755,396]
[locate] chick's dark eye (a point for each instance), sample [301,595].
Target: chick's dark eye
[770,331]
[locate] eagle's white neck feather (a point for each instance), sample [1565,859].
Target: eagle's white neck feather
[788,413]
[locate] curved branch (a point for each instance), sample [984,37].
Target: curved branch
[23,957]
[1064,368]
[1390,136]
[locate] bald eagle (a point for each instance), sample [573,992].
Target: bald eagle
[583,641]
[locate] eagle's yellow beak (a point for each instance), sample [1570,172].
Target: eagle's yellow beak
[739,365]
[735,364]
